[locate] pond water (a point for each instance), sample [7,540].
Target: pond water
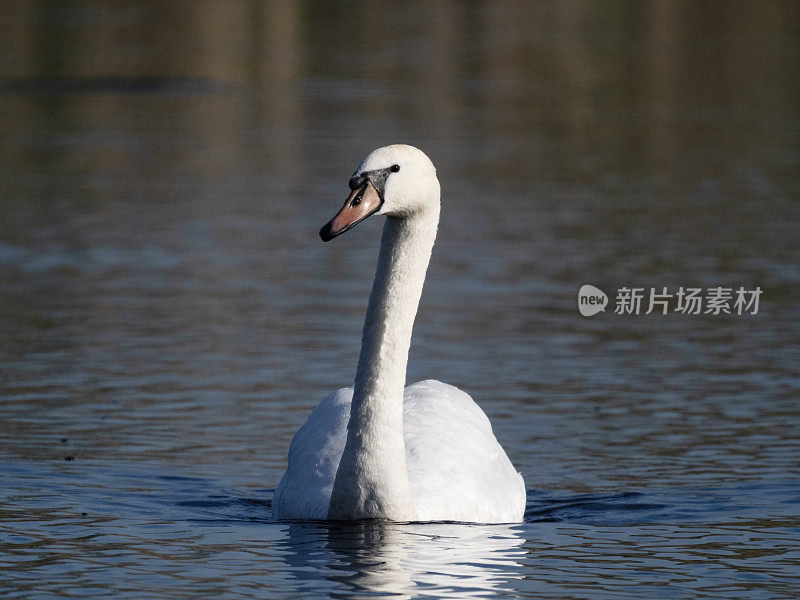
[169,316]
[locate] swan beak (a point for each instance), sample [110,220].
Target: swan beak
[360,204]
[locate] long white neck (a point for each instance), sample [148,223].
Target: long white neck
[372,480]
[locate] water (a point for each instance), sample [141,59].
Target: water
[168,316]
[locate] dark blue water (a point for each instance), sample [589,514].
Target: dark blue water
[169,317]
[136,534]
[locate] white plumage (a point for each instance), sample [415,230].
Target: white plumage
[378,450]
[457,469]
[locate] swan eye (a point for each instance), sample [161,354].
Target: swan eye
[359,196]
[394,168]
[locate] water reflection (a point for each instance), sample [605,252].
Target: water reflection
[405,560]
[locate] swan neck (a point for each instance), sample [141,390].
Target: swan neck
[372,480]
[406,246]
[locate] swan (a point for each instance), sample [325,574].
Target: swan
[377,450]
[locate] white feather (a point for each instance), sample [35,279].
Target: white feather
[457,469]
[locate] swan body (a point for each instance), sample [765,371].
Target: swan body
[457,470]
[379,450]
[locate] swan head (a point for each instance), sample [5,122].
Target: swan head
[397,181]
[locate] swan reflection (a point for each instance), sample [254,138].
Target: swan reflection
[404,559]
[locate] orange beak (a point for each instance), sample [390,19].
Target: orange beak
[360,204]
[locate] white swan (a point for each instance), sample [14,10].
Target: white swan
[377,450]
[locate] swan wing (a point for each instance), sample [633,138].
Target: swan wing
[304,491]
[457,469]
